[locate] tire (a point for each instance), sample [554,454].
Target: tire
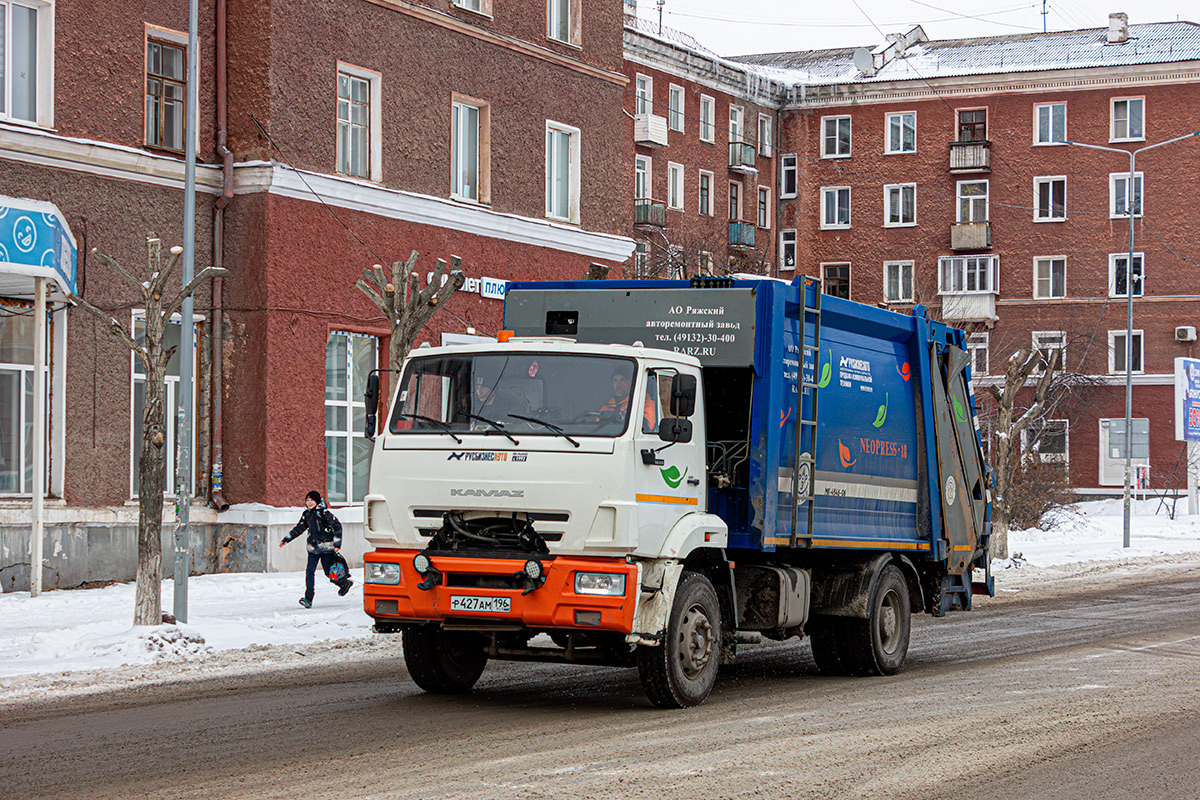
[443,662]
[878,644]
[681,671]
[823,636]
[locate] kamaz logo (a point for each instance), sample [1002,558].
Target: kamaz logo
[487,493]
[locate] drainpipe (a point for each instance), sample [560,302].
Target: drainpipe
[218,285]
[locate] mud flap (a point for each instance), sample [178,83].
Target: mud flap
[659,580]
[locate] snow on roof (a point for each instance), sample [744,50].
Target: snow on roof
[666,34]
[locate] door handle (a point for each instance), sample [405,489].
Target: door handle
[693,481]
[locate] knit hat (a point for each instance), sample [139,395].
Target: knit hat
[314,495]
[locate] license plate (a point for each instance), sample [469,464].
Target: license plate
[495,605]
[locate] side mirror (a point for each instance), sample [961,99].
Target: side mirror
[683,396]
[371,396]
[675,431]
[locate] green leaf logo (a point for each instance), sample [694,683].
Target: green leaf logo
[826,372]
[959,412]
[672,476]
[881,416]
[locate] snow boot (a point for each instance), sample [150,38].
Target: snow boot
[304,601]
[344,587]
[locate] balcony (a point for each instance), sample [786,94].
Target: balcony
[741,158]
[741,235]
[968,307]
[971,156]
[649,213]
[649,130]
[970,236]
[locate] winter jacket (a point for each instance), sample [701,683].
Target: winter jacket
[324,530]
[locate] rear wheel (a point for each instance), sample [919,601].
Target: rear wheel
[443,662]
[683,669]
[878,644]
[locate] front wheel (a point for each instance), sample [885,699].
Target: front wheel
[443,662]
[682,670]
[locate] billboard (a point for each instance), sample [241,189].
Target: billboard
[1187,399]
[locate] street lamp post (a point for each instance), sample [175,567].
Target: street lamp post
[1129,209]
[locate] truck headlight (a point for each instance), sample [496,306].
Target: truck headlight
[383,573]
[601,583]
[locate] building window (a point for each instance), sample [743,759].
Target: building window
[898,281]
[641,259]
[1118,194]
[835,137]
[966,274]
[1049,277]
[737,116]
[836,280]
[1128,119]
[469,161]
[787,176]
[972,201]
[735,201]
[645,95]
[16,398]
[900,205]
[977,349]
[765,135]
[972,125]
[562,20]
[358,127]
[349,358]
[835,206]
[764,207]
[1046,439]
[1118,275]
[675,186]
[677,109]
[1050,123]
[171,398]
[26,59]
[166,95]
[706,179]
[787,250]
[1113,451]
[1050,199]
[1116,352]
[901,133]
[642,166]
[478,6]
[562,171]
[1047,341]
[708,115]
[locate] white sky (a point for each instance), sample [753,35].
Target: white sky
[767,26]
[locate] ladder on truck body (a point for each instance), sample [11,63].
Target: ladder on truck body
[804,461]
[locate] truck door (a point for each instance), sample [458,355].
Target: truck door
[669,480]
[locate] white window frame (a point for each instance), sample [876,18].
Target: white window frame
[737,124]
[826,223]
[352,402]
[888,149]
[836,152]
[676,108]
[573,180]
[890,267]
[170,444]
[763,209]
[482,7]
[374,121]
[43,100]
[554,11]
[736,203]
[1112,463]
[23,374]
[482,147]
[1048,263]
[978,343]
[789,165]
[963,271]
[766,136]
[1139,351]
[1117,135]
[675,186]
[1046,214]
[787,242]
[973,200]
[700,193]
[1052,340]
[708,116]
[1041,109]
[893,192]
[643,94]
[1118,194]
[1027,440]
[643,165]
[1135,277]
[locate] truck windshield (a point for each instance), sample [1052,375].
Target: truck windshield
[526,394]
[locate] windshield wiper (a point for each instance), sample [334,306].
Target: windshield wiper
[439,423]
[549,425]
[493,423]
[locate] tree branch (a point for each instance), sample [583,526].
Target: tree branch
[202,275]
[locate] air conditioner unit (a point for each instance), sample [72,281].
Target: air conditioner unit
[1185,333]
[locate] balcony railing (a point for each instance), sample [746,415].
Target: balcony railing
[650,130]
[971,156]
[972,306]
[970,236]
[741,234]
[741,157]
[649,212]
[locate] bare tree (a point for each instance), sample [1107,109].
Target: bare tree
[408,310]
[160,304]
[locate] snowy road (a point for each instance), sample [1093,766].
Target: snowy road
[1084,688]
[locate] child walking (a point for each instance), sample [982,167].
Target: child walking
[324,542]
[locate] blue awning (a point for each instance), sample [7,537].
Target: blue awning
[35,241]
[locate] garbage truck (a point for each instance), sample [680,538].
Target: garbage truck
[649,473]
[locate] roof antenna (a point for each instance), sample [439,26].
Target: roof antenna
[1044,16]
[661,3]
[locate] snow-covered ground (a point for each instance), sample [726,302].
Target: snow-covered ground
[90,629]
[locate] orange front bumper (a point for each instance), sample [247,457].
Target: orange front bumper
[554,604]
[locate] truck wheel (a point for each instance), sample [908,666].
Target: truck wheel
[682,670]
[823,636]
[878,644]
[443,662]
